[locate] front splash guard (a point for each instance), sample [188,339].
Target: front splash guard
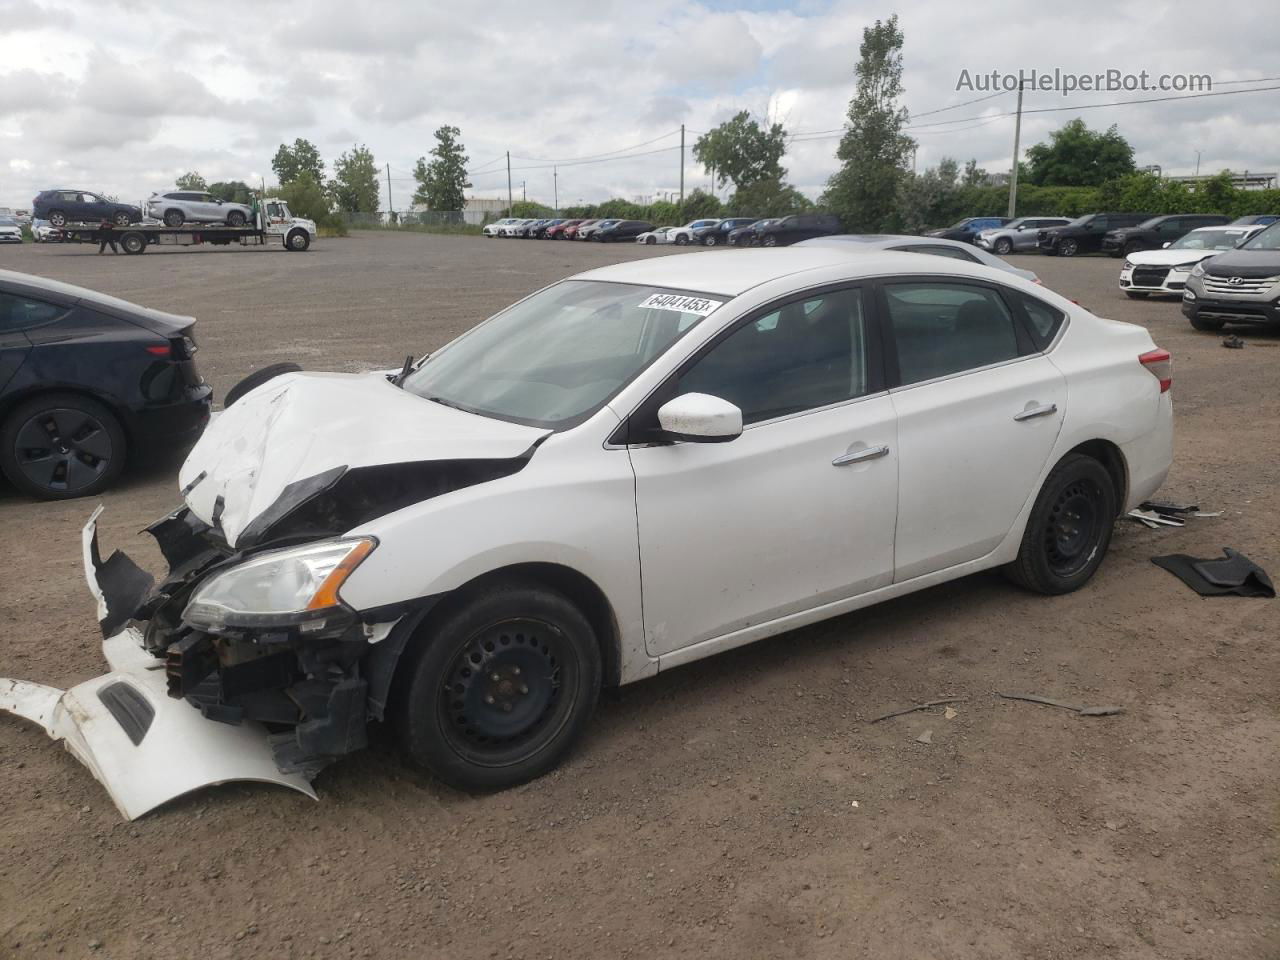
[145,747]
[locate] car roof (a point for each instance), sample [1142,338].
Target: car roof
[69,292]
[733,272]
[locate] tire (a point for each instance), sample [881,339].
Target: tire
[1136,294]
[682,240]
[1004,246]
[236,218]
[297,241]
[86,447]
[174,218]
[650,241]
[1208,326]
[476,733]
[57,218]
[257,379]
[133,243]
[121,219]
[1068,248]
[710,242]
[768,240]
[1069,529]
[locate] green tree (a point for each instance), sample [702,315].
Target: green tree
[306,198]
[1076,156]
[190,181]
[442,181]
[232,191]
[768,198]
[354,187]
[974,175]
[741,152]
[529,209]
[873,151]
[700,205]
[302,159]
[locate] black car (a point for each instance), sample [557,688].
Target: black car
[1157,232]
[749,236]
[86,380]
[622,230]
[1084,234]
[719,233]
[61,207]
[967,230]
[800,226]
[1238,286]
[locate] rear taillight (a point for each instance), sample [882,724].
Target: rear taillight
[1160,365]
[159,349]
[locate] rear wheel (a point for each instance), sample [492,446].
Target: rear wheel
[134,243]
[1069,529]
[1004,246]
[57,218]
[62,445]
[1209,326]
[236,218]
[174,218]
[502,687]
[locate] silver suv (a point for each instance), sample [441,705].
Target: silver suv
[1017,234]
[176,207]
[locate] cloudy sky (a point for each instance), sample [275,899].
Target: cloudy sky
[123,95]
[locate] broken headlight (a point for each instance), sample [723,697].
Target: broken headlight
[293,587]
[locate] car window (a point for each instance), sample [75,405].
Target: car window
[808,354]
[939,250]
[1043,319]
[941,328]
[23,313]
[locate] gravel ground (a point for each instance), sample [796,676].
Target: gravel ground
[740,807]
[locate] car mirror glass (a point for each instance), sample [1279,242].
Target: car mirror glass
[1166,243]
[701,418]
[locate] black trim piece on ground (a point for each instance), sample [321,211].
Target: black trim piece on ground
[1233,574]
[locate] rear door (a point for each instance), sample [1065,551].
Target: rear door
[14,345]
[979,409]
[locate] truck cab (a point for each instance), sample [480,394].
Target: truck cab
[296,233]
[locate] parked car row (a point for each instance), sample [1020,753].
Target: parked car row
[1119,234]
[708,232]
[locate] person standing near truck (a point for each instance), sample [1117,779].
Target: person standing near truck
[107,232]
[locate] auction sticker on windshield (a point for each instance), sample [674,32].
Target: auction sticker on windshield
[700,306]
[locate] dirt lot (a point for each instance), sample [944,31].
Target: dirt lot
[711,812]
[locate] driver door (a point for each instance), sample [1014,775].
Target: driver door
[799,510]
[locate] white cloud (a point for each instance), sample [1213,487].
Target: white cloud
[120,95]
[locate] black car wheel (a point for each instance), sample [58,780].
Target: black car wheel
[298,241]
[257,379]
[57,218]
[134,242]
[681,240]
[1069,529]
[501,687]
[1068,248]
[710,241]
[650,241]
[1208,326]
[1004,246]
[61,445]
[173,218]
[121,219]
[768,240]
[236,218]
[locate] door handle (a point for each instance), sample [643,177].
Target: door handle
[860,456]
[1044,410]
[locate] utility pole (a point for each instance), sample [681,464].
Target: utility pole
[1013,173]
[682,166]
[510,201]
[555,187]
[523,196]
[1197,163]
[390,206]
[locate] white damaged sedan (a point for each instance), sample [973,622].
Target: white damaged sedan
[624,472]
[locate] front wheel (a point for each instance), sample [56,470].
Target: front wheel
[682,240]
[650,241]
[298,240]
[769,240]
[502,687]
[57,218]
[1004,246]
[174,218]
[710,241]
[121,219]
[1068,248]
[1069,529]
[236,218]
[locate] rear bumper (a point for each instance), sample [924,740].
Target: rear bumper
[145,747]
[174,422]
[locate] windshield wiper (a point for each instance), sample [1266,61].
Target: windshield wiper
[448,403]
[399,379]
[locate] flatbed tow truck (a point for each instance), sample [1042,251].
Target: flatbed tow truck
[272,223]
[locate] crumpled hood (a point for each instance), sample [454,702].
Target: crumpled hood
[303,424]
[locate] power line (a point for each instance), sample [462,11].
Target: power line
[957,106]
[595,156]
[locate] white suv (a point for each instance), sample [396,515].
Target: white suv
[176,207]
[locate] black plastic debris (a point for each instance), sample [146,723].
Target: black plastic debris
[1233,574]
[1233,342]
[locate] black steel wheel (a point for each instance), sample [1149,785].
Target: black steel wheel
[1004,246]
[61,445]
[503,685]
[1069,528]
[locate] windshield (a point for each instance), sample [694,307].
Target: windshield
[1208,240]
[557,357]
[1268,239]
